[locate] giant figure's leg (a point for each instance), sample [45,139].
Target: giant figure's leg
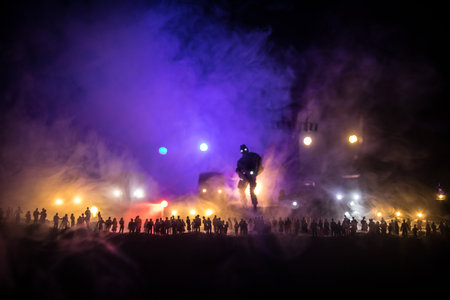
[252,193]
[242,185]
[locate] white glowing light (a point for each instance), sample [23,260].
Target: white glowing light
[307,141]
[295,203]
[139,193]
[219,191]
[193,212]
[77,200]
[164,203]
[352,139]
[339,196]
[203,147]
[398,214]
[117,193]
[378,214]
[174,212]
[352,203]
[94,210]
[356,196]
[251,172]
[209,212]
[347,214]
[204,190]
[58,202]
[420,215]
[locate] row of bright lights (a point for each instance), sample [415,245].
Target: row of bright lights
[399,214]
[203,147]
[193,212]
[352,139]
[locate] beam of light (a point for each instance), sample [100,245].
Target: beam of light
[352,139]
[209,212]
[117,193]
[139,193]
[59,202]
[203,147]
[352,203]
[164,203]
[347,214]
[307,141]
[77,200]
[193,212]
[94,210]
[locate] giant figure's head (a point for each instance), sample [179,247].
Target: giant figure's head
[244,149]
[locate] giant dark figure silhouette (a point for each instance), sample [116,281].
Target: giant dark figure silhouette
[248,167]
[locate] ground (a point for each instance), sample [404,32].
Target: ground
[82,265]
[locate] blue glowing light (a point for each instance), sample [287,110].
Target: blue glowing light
[163,150]
[203,147]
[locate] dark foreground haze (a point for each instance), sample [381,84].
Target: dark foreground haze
[78,264]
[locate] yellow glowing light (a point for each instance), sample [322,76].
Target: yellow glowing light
[307,140]
[420,215]
[378,214]
[174,212]
[209,212]
[258,189]
[398,214]
[352,139]
[192,212]
[219,191]
[58,202]
[94,210]
[164,203]
[204,190]
[77,200]
[441,197]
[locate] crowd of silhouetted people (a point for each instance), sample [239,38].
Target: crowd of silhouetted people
[216,225]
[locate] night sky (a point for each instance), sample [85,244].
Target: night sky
[396,56]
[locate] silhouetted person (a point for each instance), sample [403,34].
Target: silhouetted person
[28,217]
[64,222]
[326,228]
[404,229]
[87,217]
[108,224]
[121,225]
[55,221]
[131,226]
[42,216]
[72,220]
[248,167]
[314,228]
[114,225]
[415,230]
[364,226]
[353,226]
[17,213]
